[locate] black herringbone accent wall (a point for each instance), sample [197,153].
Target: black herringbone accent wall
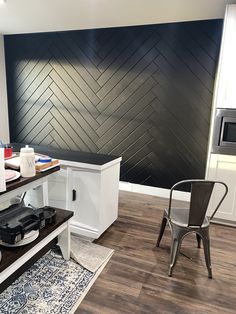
[143,93]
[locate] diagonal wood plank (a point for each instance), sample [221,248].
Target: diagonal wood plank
[142,92]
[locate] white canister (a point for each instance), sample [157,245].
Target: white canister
[27,162]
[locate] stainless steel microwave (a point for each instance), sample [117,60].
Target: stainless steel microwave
[224,134]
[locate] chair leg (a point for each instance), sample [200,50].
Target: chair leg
[198,240]
[174,251]
[163,225]
[206,245]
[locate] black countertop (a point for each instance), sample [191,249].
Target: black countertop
[62,154]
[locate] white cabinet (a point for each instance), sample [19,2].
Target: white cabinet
[223,168]
[90,191]
[225,91]
[87,184]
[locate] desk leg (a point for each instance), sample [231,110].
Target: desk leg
[64,242]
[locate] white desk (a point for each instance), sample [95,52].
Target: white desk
[14,259]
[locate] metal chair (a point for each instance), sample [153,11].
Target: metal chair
[193,219]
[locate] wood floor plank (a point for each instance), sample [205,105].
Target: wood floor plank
[135,279]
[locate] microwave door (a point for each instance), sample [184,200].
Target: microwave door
[228,132]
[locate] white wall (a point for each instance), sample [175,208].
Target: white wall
[151,190]
[4,125]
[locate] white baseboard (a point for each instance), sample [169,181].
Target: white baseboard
[150,190]
[83,230]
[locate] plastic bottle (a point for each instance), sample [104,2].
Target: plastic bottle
[27,162]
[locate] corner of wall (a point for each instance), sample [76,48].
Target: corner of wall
[4,120]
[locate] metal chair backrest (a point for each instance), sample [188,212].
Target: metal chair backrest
[201,191]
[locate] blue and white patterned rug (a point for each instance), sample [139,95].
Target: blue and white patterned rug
[51,285]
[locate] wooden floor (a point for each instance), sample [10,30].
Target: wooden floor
[135,279]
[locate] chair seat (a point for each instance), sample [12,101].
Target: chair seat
[180,216]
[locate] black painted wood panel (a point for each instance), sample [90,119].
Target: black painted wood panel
[143,93]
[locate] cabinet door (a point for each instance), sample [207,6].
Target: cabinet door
[84,200]
[57,188]
[57,191]
[223,168]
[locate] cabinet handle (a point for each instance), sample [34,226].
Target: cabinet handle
[73,195]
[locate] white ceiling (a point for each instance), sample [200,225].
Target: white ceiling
[26,16]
